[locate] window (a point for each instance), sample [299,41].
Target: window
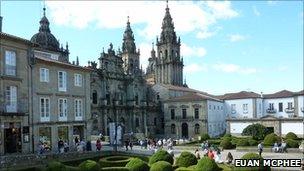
[172,114]
[280,107]
[271,106]
[196,129]
[10,63]
[173,129]
[78,109]
[245,108]
[62,109]
[196,113]
[221,107]
[78,80]
[137,122]
[108,99]
[62,81]
[289,105]
[136,99]
[209,106]
[94,97]
[232,108]
[155,119]
[44,109]
[11,98]
[44,75]
[218,107]
[260,107]
[214,107]
[184,113]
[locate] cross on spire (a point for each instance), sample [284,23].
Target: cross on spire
[44,8]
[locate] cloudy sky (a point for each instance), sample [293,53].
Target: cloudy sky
[227,46]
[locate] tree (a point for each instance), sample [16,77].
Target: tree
[257,131]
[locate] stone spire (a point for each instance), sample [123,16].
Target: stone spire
[168,34]
[153,51]
[44,23]
[128,44]
[77,60]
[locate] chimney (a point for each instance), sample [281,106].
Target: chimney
[1,23]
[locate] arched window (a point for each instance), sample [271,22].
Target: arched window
[94,96]
[136,99]
[137,122]
[173,129]
[196,129]
[172,114]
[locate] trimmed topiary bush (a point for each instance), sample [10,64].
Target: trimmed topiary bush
[226,144]
[161,155]
[115,169]
[252,142]
[205,137]
[161,166]
[242,142]
[292,143]
[135,164]
[270,139]
[89,165]
[291,135]
[117,161]
[55,166]
[71,168]
[183,169]
[252,156]
[186,159]
[206,164]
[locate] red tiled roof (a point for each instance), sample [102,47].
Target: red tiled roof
[280,94]
[239,95]
[185,89]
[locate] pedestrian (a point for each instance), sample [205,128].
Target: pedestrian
[127,144]
[66,146]
[60,146]
[197,154]
[141,142]
[260,148]
[210,154]
[131,145]
[88,146]
[76,140]
[98,145]
[229,158]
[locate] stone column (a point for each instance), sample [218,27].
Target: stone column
[54,138]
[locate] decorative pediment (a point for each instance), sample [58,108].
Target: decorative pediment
[184,106]
[196,106]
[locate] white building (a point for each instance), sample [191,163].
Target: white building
[280,112]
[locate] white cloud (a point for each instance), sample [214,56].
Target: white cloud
[233,68]
[236,37]
[113,14]
[193,68]
[255,11]
[187,51]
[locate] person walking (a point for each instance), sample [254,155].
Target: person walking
[127,144]
[260,148]
[229,158]
[131,145]
[98,145]
[197,154]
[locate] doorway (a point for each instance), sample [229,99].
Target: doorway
[184,130]
[12,137]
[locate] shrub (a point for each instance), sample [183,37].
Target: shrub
[161,155]
[270,139]
[252,156]
[115,169]
[205,137]
[252,142]
[242,142]
[71,168]
[55,166]
[183,169]
[89,165]
[291,135]
[161,166]
[117,161]
[135,164]
[206,164]
[227,135]
[292,143]
[186,159]
[257,131]
[226,144]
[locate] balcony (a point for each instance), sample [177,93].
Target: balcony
[271,110]
[20,110]
[289,110]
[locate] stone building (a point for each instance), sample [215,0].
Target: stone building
[119,91]
[15,106]
[60,92]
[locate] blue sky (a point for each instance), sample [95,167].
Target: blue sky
[227,46]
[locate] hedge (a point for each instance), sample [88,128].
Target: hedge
[291,135]
[161,166]
[115,169]
[186,159]
[117,161]
[292,143]
[270,139]
[161,155]
[135,164]
[242,142]
[184,169]
[55,166]
[207,164]
[252,142]
[226,144]
[205,137]
[89,165]
[252,156]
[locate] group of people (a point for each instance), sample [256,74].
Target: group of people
[128,143]
[213,152]
[280,147]
[63,146]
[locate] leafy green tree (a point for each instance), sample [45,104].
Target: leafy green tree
[257,131]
